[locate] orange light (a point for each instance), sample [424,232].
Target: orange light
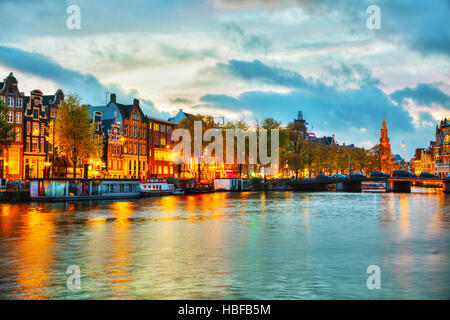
[36,131]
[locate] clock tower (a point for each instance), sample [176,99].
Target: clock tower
[385,149]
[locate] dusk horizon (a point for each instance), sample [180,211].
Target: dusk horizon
[246,62]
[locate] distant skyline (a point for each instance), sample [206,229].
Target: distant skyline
[245,59]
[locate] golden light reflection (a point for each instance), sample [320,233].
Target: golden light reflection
[35,252]
[404,223]
[121,246]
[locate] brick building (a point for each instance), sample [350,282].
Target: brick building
[11,159]
[160,148]
[442,149]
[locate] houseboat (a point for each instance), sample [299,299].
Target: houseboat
[64,189]
[191,186]
[155,187]
[232,184]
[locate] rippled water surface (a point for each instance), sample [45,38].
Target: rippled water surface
[279,245]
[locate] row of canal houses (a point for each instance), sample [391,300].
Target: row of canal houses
[135,145]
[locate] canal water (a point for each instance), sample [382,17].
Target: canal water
[279,245]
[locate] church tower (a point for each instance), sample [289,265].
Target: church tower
[385,149]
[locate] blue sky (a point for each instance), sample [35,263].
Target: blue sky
[245,59]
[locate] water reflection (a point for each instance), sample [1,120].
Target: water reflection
[278,245]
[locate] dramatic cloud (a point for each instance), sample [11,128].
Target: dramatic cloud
[424,94]
[343,112]
[246,59]
[86,85]
[420,25]
[249,42]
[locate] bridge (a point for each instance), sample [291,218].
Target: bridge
[355,184]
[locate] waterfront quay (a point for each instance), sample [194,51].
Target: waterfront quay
[61,189]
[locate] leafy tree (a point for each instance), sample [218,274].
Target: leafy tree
[240,126]
[207,123]
[7,133]
[74,132]
[292,149]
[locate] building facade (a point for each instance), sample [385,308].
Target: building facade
[39,110]
[160,148]
[442,149]
[113,155]
[35,163]
[129,143]
[12,158]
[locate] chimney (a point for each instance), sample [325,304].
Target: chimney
[136,102]
[112,98]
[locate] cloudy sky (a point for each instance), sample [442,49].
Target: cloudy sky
[245,59]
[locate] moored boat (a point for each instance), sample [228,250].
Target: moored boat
[66,189]
[155,187]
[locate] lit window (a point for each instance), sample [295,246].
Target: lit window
[156,127]
[35,128]
[18,116]
[35,145]
[163,141]
[18,134]
[11,117]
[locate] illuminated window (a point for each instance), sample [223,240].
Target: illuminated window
[166,170]
[18,134]
[156,127]
[35,128]
[11,117]
[35,145]
[159,170]
[163,141]
[18,117]
[14,161]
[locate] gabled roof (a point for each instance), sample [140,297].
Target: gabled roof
[162,121]
[126,110]
[179,116]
